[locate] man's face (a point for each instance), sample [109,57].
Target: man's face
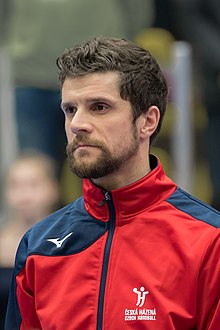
[102,137]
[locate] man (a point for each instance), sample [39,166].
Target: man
[135,252]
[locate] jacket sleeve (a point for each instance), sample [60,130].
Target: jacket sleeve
[208,297]
[21,314]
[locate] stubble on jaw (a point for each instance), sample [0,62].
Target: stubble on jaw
[84,168]
[105,164]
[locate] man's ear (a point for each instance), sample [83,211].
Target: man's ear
[149,122]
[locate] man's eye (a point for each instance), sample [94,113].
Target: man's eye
[99,107]
[70,110]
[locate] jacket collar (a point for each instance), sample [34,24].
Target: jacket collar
[130,200]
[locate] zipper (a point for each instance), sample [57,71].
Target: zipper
[111,226]
[106,198]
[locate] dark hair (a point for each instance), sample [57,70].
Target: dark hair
[142,81]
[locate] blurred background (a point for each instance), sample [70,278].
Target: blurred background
[183,35]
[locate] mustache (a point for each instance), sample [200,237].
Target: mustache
[84,140]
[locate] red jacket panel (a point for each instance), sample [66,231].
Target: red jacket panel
[145,258]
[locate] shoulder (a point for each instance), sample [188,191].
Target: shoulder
[195,208]
[66,231]
[59,220]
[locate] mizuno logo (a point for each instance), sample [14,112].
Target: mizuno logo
[57,241]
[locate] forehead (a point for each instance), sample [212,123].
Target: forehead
[104,82]
[27,168]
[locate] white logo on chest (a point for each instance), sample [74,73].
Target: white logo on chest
[141,296]
[57,241]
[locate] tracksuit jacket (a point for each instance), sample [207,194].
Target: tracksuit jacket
[145,256]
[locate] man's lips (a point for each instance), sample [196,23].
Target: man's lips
[83,146]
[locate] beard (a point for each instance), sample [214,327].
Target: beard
[106,163]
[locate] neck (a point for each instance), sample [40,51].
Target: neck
[125,176]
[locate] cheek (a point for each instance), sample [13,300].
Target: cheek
[42,197]
[120,139]
[69,133]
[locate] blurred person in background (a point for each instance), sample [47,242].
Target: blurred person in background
[37,31]
[198,22]
[31,192]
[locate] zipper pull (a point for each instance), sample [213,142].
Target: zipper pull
[106,198]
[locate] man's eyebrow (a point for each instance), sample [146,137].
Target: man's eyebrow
[66,105]
[88,100]
[98,99]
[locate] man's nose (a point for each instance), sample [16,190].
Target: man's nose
[80,122]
